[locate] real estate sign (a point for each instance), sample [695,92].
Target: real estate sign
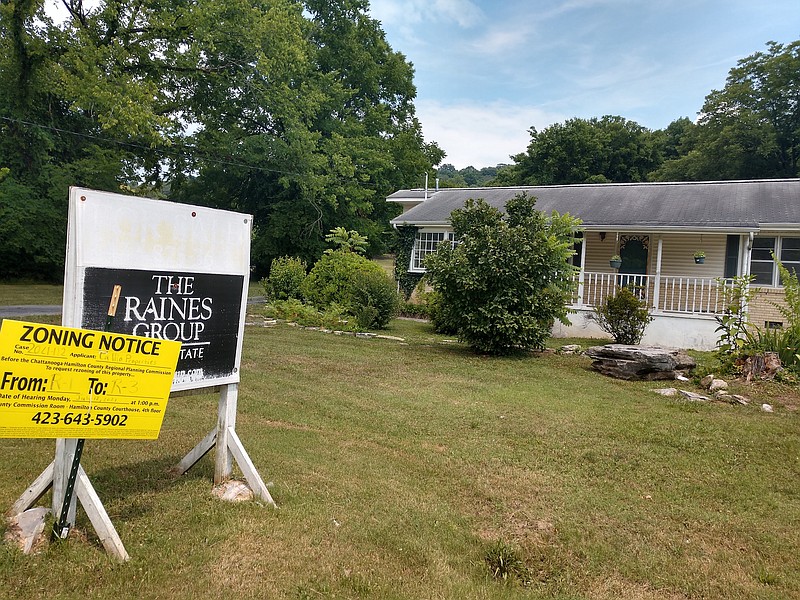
[183,270]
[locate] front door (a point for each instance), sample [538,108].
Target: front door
[633,250]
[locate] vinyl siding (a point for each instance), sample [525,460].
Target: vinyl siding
[676,254]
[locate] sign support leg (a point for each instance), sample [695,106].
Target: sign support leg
[54,477]
[65,455]
[34,492]
[229,447]
[62,526]
[99,517]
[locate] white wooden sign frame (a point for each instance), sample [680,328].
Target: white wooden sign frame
[126,233]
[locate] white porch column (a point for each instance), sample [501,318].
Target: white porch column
[748,252]
[582,271]
[657,283]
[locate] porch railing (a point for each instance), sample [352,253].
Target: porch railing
[667,293]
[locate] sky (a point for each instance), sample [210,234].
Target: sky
[487,71]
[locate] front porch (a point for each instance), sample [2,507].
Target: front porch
[684,297]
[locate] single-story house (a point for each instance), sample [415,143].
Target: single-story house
[656,228]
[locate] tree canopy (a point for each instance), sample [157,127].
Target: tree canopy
[751,128]
[585,151]
[297,112]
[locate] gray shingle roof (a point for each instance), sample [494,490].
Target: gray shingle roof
[745,205]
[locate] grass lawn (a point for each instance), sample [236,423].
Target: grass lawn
[12,294]
[397,465]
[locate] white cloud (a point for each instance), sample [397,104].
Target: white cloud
[481,135]
[464,12]
[404,14]
[504,39]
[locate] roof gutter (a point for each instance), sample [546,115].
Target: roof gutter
[621,228]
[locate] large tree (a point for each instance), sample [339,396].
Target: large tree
[609,149]
[751,128]
[299,113]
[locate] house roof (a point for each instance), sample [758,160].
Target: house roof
[717,205]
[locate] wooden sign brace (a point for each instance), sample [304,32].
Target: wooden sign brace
[55,477]
[229,447]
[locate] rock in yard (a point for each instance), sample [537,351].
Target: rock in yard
[694,397]
[667,391]
[717,384]
[233,491]
[766,407]
[26,530]
[639,362]
[570,349]
[706,381]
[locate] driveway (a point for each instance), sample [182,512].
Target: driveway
[12,312]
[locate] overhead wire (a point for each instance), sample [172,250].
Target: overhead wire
[183,150]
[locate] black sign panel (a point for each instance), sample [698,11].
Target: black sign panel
[199,310]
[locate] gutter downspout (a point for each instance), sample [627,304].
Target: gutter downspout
[748,253]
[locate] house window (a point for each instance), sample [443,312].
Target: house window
[790,255]
[762,265]
[425,244]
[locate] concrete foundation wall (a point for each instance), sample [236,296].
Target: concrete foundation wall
[691,332]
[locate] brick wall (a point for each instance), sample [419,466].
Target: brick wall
[762,309]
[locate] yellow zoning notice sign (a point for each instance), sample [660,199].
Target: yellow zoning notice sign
[59,382]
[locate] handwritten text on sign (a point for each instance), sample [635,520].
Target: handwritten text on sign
[58,382]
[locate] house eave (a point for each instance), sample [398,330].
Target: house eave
[398,222]
[644,228]
[641,228]
[780,227]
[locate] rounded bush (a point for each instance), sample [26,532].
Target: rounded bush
[624,316]
[374,299]
[286,276]
[354,282]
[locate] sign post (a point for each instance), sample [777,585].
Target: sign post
[61,527]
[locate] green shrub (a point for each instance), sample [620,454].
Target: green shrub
[413,309]
[441,319]
[286,276]
[784,342]
[333,317]
[508,278]
[374,299]
[732,324]
[354,282]
[623,316]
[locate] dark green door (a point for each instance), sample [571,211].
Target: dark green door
[633,250]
